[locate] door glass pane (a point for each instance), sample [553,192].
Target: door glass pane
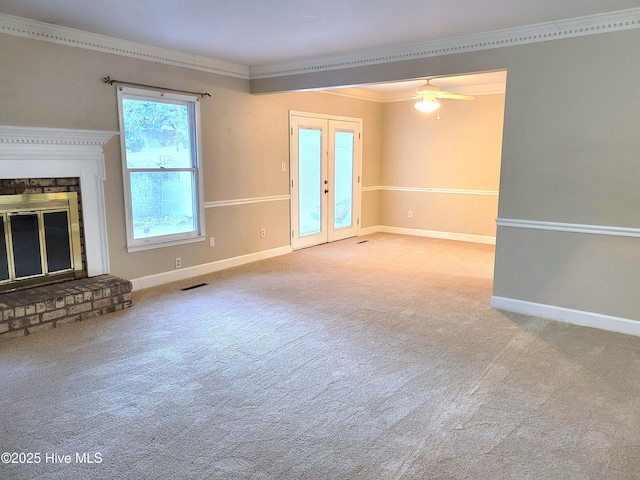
[310,181]
[157,135]
[56,237]
[4,264]
[343,180]
[162,203]
[26,245]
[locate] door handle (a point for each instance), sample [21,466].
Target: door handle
[326,191]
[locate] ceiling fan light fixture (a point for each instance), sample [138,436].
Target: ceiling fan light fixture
[427,106]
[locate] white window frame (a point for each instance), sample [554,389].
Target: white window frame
[198,235]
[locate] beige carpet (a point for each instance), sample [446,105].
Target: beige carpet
[375,360]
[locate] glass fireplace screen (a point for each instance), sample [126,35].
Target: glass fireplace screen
[39,239]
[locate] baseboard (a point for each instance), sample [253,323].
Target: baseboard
[369,230]
[197,270]
[460,237]
[568,315]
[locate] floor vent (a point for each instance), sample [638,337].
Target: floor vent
[363,241]
[193,286]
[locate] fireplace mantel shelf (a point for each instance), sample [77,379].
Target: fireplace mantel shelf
[54,136]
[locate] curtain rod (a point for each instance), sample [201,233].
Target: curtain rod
[110,81]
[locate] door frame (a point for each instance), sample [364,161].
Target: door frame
[327,143]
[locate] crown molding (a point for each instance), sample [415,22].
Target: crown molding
[359,94]
[589,25]
[381,97]
[33,29]
[575,27]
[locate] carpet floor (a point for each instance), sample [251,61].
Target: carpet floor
[376,357]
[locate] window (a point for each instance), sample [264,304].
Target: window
[161,168]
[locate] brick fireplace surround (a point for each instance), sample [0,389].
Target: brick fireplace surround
[44,160]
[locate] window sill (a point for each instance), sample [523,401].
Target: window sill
[167,243]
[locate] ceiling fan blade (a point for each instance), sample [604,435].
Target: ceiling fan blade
[452,96]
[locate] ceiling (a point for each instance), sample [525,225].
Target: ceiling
[447,83]
[259,32]
[471,84]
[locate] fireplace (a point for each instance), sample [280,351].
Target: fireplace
[53,228]
[54,153]
[40,239]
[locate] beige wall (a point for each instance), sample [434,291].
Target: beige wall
[571,137]
[569,157]
[461,151]
[244,140]
[592,273]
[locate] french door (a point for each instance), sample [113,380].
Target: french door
[325,167]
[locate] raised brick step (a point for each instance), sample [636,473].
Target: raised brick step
[27,311]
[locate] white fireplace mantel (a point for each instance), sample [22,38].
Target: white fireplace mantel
[33,152]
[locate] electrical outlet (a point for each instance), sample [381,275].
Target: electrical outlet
[212,242]
[263,233]
[178,262]
[410,214]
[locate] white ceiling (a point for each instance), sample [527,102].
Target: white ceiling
[260,32]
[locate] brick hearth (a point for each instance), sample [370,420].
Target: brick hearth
[27,311]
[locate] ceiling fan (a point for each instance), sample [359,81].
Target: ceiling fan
[429,95]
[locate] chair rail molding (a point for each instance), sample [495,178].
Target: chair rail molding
[246,201]
[569,227]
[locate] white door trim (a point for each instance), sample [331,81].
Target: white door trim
[316,119]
